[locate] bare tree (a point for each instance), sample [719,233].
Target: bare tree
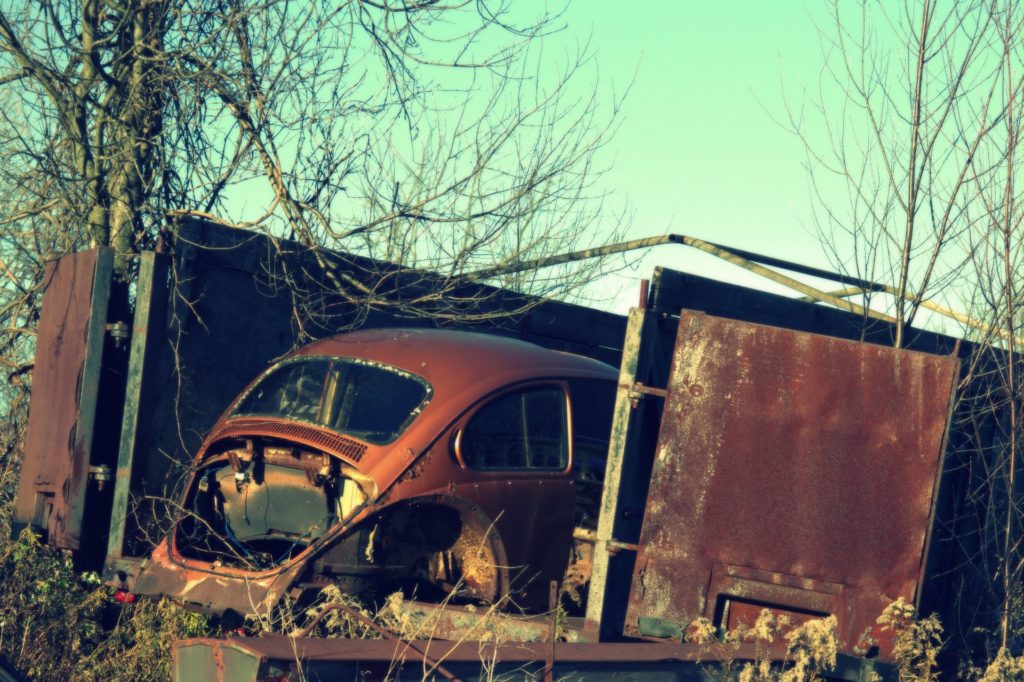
[920,109]
[908,106]
[432,135]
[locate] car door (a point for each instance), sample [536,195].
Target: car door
[517,446]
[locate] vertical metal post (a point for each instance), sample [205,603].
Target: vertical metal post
[88,397]
[637,329]
[553,603]
[150,302]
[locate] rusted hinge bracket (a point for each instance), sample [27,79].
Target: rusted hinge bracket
[638,391]
[100,474]
[119,332]
[613,546]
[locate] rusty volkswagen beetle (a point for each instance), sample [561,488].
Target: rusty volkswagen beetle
[445,464]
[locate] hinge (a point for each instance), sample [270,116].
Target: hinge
[612,546]
[100,474]
[119,332]
[638,391]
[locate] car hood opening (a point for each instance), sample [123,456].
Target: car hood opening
[255,505]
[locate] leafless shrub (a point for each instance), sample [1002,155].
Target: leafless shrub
[434,137]
[912,145]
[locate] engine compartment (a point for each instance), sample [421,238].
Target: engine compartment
[255,505]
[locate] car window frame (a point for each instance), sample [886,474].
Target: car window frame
[457,444]
[428,395]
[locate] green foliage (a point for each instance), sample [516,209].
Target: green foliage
[138,647]
[57,624]
[49,618]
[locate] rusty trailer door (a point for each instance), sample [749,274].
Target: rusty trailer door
[68,447]
[792,471]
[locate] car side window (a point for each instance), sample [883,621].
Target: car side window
[521,430]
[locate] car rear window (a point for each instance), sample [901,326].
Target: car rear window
[366,400]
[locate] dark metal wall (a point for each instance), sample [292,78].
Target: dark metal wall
[672,291]
[228,313]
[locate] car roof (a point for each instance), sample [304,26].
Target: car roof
[453,360]
[461,367]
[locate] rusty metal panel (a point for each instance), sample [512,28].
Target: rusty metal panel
[247,659]
[194,661]
[65,385]
[792,470]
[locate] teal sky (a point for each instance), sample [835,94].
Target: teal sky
[698,151]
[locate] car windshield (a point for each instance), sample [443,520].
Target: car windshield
[366,400]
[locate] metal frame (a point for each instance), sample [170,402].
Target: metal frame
[755,262]
[150,307]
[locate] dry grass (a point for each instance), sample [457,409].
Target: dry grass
[811,649]
[56,624]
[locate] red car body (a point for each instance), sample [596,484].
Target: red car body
[438,462]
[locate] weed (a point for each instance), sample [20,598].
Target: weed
[56,624]
[916,642]
[1004,668]
[138,646]
[810,651]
